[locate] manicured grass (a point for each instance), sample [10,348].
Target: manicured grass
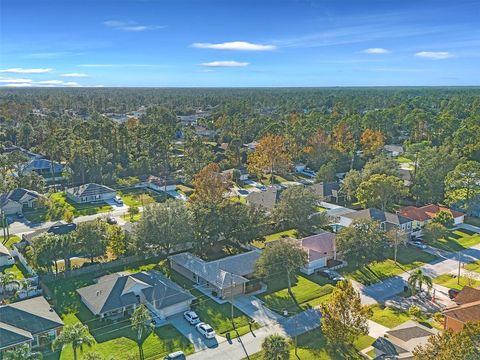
[137,197]
[388,316]
[313,346]
[292,233]
[307,293]
[239,199]
[458,240]
[61,200]
[403,160]
[133,218]
[474,266]
[38,215]
[9,243]
[451,281]
[407,258]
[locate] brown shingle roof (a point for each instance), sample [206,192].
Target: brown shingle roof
[467,295]
[464,313]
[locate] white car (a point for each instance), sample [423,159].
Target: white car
[118,200]
[191,317]
[206,330]
[419,244]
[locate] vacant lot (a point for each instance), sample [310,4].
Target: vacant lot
[308,292]
[407,258]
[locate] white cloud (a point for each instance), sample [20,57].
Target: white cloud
[235,45]
[18,85]
[131,26]
[434,55]
[376,51]
[229,63]
[56,83]
[50,82]
[14,80]
[26,71]
[74,75]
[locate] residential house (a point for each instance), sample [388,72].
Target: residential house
[393,150]
[266,199]
[6,258]
[423,215]
[327,191]
[14,201]
[401,341]
[117,295]
[387,220]
[320,248]
[91,192]
[59,228]
[466,310]
[44,167]
[31,322]
[223,278]
[161,183]
[242,171]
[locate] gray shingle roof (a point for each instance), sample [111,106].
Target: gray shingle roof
[324,189]
[267,199]
[90,190]
[18,321]
[223,272]
[370,214]
[118,290]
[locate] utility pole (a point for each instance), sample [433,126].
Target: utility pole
[231,299]
[459,267]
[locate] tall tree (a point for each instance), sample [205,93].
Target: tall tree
[141,320]
[76,335]
[416,280]
[271,155]
[210,185]
[92,238]
[380,191]
[350,184]
[372,142]
[326,173]
[434,231]
[282,254]
[344,318]
[361,243]
[462,185]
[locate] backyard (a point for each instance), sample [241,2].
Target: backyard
[407,258]
[458,240]
[313,346]
[308,292]
[260,243]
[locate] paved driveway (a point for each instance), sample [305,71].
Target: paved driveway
[191,333]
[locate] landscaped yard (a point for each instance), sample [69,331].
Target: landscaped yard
[37,215]
[60,200]
[308,292]
[111,339]
[407,258]
[451,281]
[458,240]
[474,266]
[313,346]
[12,240]
[137,197]
[17,269]
[403,160]
[292,233]
[388,316]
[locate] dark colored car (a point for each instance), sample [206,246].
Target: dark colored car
[452,293]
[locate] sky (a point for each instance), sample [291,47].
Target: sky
[246,43]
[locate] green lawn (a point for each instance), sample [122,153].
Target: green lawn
[37,215]
[260,243]
[137,197]
[308,292]
[407,258]
[458,240]
[17,269]
[130,218]
[313,346]
[61,201]
[403,160]
[451,281]
[12,240]
[474,266]
[387,316]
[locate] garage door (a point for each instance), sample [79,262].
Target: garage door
[175,309]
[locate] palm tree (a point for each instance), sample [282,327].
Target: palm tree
[141,321]
[419,278]
[6,279]
[275,347]
[22,353]
[76,335]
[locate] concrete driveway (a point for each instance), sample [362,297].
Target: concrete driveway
[191,333]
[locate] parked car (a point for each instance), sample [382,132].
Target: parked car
[177,355]
[111,220]
[332,275]
[118,200]
[242,192]
[452,293]
[206,330]
[419,244]
[261,187]
[191,317]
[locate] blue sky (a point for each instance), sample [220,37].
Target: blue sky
[239,43]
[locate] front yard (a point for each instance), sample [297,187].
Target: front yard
[142,197]
[308,292]
[390,317]
[407,258]
[313,346]
[451,281]
[458,240]
[474,266]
